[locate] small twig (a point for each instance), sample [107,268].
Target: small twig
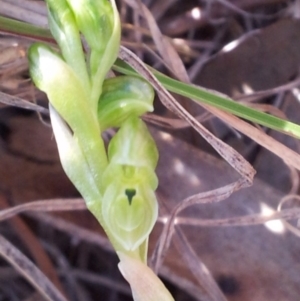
[29,271]
[211,196]
[294,230]
[228,153]
[101,280]
[25,13]
[198,268]
[244,13]
[61,261]
[35,6]
[77,232]
[265,93]
[33,245]
[238,221]
[21,103]
[44,205]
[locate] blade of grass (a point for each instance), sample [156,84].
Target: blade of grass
[217,100]
[193,92]
[289,156]
[23,29]
[205,97]
[224,150]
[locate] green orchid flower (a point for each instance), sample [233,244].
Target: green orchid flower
[117,183]
[129,204]
[132,155]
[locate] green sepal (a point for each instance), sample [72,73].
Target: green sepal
[73,160]
[121,97]
[133,145]
[67,95]
[64,29]
[95,20]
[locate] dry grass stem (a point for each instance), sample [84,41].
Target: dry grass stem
[44,206]
[225,151]
[255,96]
[29,271]
[293,229]
[173,60]
[28,11]
[76,232]
[248,220]
[198,268]
[211,196]
[21,103]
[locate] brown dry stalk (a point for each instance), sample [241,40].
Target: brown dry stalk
[44,206]
[211,196]
[21,103]
[293,229]
[173,60]
[29,270]
[230,155]
[225,151]
[33,244]
[195,264]
[238,221]
[29,11]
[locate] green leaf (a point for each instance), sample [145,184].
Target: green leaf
[66,92]
[121,97]
[24,29]
[133,145]
[217,100]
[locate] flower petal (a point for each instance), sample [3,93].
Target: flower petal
[145,285]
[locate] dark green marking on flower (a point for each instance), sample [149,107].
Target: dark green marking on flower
[130,193]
